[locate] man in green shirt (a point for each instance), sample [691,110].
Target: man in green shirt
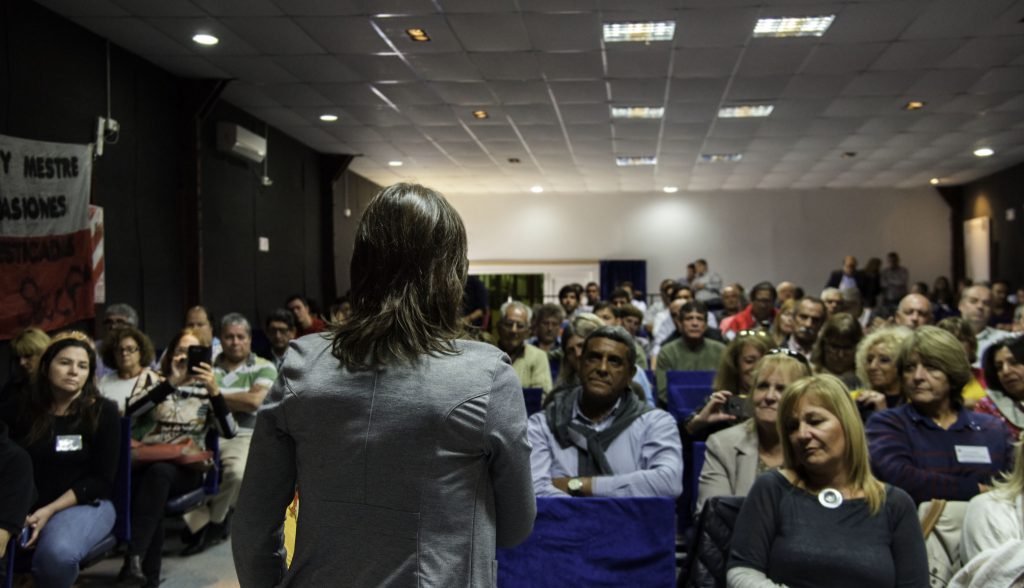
[692,351]
[530,363]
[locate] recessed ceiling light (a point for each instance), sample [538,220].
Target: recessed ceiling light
[328,117]
[204,39]
[848,154]
[745,111]
[628,160]
[913,105]
[934,181]
[799,26]
[637,112]
[480,114]
[537,189]
[670,189]
[720,157]
[514,160]
[643,32]
[395,163]
[418,35]
[984,152]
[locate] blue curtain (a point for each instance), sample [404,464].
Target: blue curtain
[623,270]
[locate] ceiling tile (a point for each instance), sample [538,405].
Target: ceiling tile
[564,32]
[318,68]
[592,92]
[490,32]
[572,66]
[343,34]
[445,67]
[913,55]
[522,65]
[523,92]
[649,61]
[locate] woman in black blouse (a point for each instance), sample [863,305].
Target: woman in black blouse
[71,434]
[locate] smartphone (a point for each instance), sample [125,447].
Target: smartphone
[198,354]
[737,406]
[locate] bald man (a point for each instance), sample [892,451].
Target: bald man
[913,311]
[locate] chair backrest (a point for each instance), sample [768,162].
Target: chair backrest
[690,378]
[532,397]
[651,378]
[122,492]
[684,400]
[595,541]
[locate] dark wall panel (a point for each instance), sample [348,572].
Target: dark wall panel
[992,196]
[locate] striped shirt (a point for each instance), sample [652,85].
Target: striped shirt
[255,371]
[910,451]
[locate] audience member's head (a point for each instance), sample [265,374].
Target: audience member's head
[732,300]
[961,329]
[513,326]
[935,369]
[785,321]
[236,338]
[178,348]
[119,315]
[772,374]
[631,318]
[702,266]
[299,307]
[606,312]
[128,350]
[976,306]
[621,297]
[914,310]
[691,272]
[1000,293]
[919,288]
[852,302]
[568,298]
[200,320]
[762,300]
[876,360]
[736,366]
[809,316]
[834,351]
[684,293]
[28,347]
[579,327]
[942,292]
[893,259]
[281,329]
[67,370]
[786,290]
[548,320]
[849,265]
[690,318]
[607,365]
[593,293]
[667,289]
[1004,367]
[833,300]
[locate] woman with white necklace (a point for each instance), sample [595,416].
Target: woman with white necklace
[131,352]
[823,519]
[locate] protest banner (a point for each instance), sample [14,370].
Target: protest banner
[45,243]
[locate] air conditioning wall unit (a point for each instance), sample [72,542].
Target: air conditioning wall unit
[240,142]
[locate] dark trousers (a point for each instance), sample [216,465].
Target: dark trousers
[152,485]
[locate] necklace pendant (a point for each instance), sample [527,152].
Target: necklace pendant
[830,498]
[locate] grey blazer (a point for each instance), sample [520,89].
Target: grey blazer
[408,475]
[730,463]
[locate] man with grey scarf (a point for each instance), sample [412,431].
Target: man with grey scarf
[601,439]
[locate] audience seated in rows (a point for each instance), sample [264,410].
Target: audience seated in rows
[976,308]
[72,435]
[732,302]
[601,439]
[834,350]
[569,299]
[784,323]
[833,300]
[736,456]
[808,317]
[130,352]
[169,424]
[823,518]
[876,359]
[849,277]
[914,310]
[529,362]
[1004,374]
[932,447]
[547,324]
[575,332]
[692,351]
[305,320]
[114,316]
[961,329]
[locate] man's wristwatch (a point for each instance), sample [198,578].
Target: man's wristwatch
[575,486]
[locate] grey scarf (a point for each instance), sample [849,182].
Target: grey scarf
[592,461]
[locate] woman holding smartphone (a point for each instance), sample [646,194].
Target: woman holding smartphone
[178,411]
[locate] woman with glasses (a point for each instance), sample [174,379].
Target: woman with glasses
[834,351]
[733,380]
[72,435]
[130,352]
[736,456]
[823,519]
[932,446]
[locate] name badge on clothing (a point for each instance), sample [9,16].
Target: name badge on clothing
[972,454]
[67,443]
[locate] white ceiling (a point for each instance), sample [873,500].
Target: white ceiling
[542,72]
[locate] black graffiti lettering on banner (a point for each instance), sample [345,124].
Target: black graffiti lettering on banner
[33,207]
[51,167]
[5,160]
[18,251]
[45,306]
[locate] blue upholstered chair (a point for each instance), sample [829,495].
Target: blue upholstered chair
[595,542]
[532,397]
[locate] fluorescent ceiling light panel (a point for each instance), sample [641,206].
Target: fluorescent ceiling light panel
[637,112]
[746,111]
[720,157]
[794,26]
[639,32]
[627,160]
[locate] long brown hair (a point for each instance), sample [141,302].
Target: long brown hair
[408,273]
[38,405]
